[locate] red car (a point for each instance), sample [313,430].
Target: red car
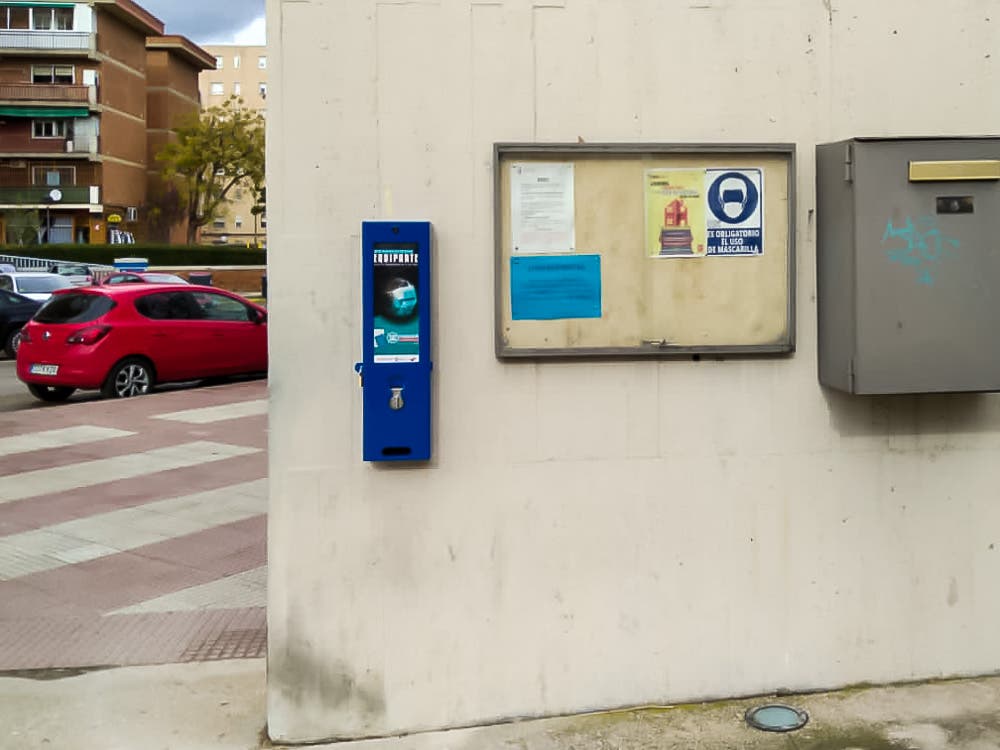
[123,339]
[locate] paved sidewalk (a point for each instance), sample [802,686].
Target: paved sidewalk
[133,532]
[220,705]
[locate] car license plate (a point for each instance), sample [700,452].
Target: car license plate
[44,370]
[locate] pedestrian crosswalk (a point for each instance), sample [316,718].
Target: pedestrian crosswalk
[121,530]
[241,590]
[103,470]
[149,519]
[206,415]
[61,438]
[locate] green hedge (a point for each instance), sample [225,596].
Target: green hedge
[158,255]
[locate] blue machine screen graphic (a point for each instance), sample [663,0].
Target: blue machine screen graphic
[396,293]
[735,220]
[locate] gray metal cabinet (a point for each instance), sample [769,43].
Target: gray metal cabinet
[908,264]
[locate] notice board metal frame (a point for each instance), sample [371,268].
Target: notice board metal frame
[635,158]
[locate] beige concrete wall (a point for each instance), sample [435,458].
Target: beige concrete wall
[600,534]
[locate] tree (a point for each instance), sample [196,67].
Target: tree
[23,226]
[259,209]
[164,209]
[214,152]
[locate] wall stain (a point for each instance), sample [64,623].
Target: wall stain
[298,672]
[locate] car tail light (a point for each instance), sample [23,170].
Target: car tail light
[89,336]
[25,335]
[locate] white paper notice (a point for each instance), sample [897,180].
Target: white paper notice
[541,208]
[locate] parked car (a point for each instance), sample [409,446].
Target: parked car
[77,273]
[33,284]
[15,311]
[123,339]
[143,277]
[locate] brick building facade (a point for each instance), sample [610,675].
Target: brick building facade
[88,93]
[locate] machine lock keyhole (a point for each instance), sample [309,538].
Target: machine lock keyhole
[396,400]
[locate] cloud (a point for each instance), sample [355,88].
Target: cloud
[217,21]
[255,33]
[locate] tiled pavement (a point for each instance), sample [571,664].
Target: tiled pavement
[133,532]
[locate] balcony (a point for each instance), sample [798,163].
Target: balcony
[31,93]
[82,144]
[48,41]
[40,195]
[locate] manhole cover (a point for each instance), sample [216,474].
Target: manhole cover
[776,718]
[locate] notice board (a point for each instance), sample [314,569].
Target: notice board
[642,250]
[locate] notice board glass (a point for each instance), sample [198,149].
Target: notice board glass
[644,249]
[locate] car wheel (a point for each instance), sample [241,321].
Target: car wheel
[12,342]
[51,393]
[130,377]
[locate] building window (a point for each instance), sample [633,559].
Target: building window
[236,62]
[262,62]
[219,62]
[63,18]
[262,90]
[52,74]
[48,128]
[219,223]
[53,175]
[218,88]
[50,19]
[13,17]
[238,222]
[236,88]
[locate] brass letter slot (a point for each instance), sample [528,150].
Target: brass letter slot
[939,171]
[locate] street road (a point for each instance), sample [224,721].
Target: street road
[14,394]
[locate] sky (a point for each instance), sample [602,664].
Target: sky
[211,21]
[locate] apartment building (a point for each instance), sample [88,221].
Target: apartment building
[239,70]
[88,92]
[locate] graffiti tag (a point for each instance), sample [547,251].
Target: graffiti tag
[924,247]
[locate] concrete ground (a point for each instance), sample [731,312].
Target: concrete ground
[220,705]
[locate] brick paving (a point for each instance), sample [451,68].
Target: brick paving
[85,609]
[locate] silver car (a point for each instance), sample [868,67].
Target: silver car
[34,284]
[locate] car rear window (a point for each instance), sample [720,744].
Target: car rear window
[35,285]
[74,308]
[163,278]
[73,271]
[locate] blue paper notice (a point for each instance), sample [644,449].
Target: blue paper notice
[553,287]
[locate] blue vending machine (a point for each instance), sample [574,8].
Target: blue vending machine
[396,325]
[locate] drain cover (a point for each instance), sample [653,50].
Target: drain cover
[776,718]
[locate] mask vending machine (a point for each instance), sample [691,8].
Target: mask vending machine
[396,347]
